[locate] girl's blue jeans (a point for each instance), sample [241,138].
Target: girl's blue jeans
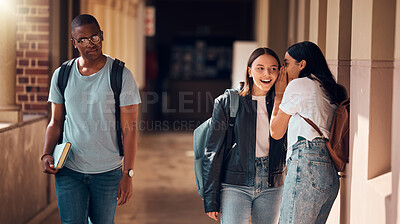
[260,202]
[311,184]
[87,198]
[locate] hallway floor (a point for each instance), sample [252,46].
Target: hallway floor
[164,184]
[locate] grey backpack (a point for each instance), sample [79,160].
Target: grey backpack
[200,138]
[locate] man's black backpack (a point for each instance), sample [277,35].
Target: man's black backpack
[116,85]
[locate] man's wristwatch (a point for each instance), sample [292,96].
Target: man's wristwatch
[129,172]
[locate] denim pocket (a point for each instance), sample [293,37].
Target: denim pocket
[288,161]
[320,175]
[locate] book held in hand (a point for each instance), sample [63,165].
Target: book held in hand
[60,154]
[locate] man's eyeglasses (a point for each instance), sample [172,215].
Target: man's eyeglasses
[84,42]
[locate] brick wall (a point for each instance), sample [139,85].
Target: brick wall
[33,35]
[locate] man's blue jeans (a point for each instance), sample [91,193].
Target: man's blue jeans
[260,202]
[311,184]
[82,196]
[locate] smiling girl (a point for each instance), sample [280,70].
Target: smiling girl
[246,182]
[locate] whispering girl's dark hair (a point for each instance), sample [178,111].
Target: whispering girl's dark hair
[248,85]
[316,65]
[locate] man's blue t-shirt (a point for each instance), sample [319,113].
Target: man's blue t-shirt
[90,117]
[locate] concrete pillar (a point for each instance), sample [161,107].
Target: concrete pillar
[99,10]
[134,34]
[9,111]
[318,14]
[55,42]
[141,43]
[372,50]
[123,27]
[338,34]
[262,18]
[131,34]
[303,20]
[124,31]
[278,27]
[338,40]
[395,198]
[292,22]
[271,25]
[109,28]
[71,52]
[118,28]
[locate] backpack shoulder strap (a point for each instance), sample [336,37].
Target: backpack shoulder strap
[64,74]
[313,125]
[62,85]
[346,106]
[116,76]
[233,102]
[116,85]
[233,108]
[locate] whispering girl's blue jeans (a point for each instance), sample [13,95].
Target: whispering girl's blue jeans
[82,196]
[311,184]
[260,202]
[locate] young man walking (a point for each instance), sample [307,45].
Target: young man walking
[95,177]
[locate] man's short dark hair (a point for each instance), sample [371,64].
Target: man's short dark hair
[83,19]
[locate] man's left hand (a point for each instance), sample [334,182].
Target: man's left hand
[125,190]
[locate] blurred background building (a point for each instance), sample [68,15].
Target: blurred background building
[184,53]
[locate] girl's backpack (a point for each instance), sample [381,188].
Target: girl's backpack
[200,138]
[338,142]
